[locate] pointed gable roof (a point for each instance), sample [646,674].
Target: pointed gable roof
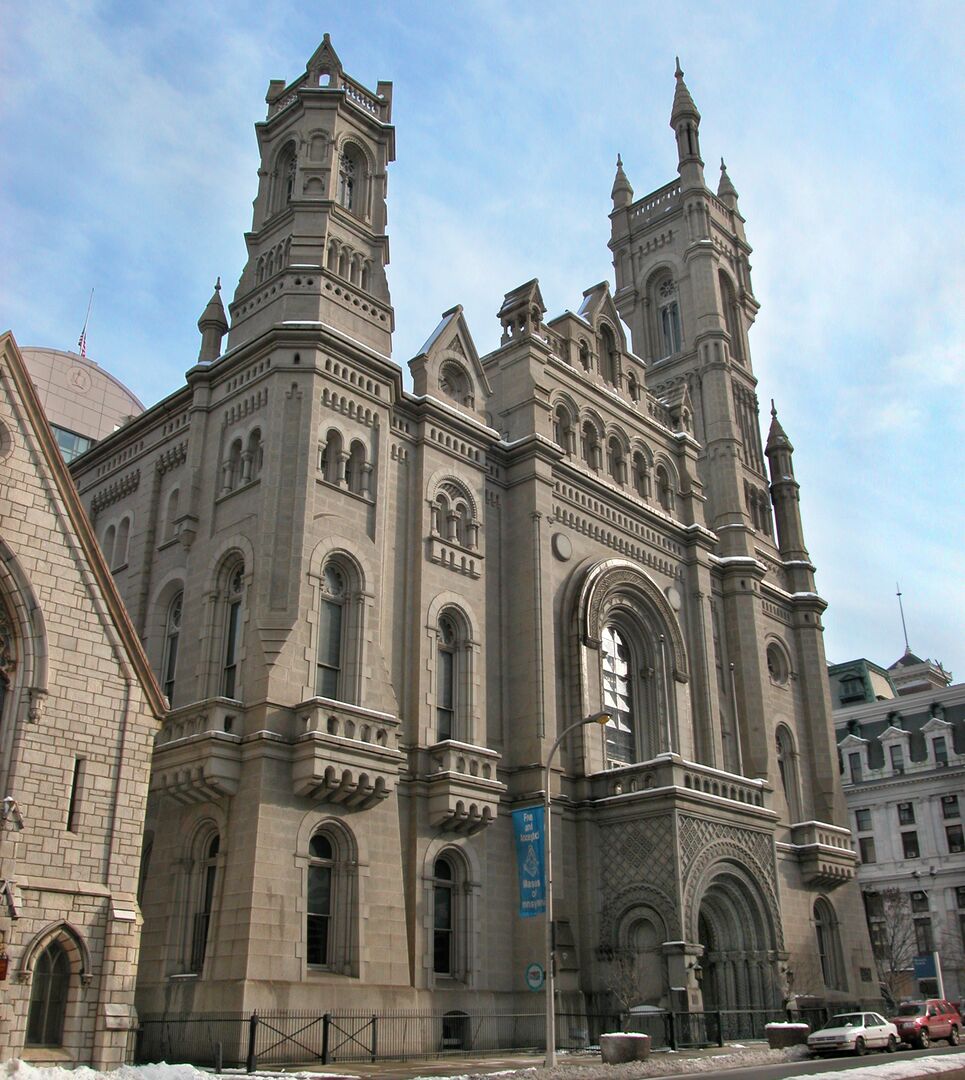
[448,366]
[597,303]
[325,59]
[48,458]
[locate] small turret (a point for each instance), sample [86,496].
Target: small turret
[622,193]
[213,326]
[685,121]
[726,191]
[785,495]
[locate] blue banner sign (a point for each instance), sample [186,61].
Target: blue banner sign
[925,966]
[528,830]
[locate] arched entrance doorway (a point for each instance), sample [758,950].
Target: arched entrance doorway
[736,929]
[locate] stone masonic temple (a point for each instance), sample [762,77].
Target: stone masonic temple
[373,609]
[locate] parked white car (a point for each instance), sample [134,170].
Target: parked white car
[854,1032]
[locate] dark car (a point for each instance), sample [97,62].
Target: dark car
[920,1023]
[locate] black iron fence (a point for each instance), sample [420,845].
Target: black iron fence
[278,1037]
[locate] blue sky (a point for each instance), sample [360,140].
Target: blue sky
[129,166]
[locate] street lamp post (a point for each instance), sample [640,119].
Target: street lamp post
[596,718]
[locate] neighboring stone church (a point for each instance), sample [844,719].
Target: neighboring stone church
[374,609]
[79,708]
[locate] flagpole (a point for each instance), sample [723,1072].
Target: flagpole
[82,340]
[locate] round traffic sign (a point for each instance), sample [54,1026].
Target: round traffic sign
[535,976]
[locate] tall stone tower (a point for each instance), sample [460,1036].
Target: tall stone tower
[317,249]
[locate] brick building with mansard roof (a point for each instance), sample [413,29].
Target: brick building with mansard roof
[375,608]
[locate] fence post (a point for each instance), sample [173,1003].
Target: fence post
[218,1057]
[326,1021]
[250,1063]
[720,1028]
[375,1038]
[671,1033]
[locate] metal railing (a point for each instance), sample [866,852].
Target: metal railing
[286,1037]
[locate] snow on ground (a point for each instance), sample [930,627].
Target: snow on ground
[657,1065]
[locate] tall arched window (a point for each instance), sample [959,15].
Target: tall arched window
[443,918]
[447,672]
[350,179]
[320,905]
[668,308]
[563,428]
[234,603]
[331,460]
[331,621]
[787,767]
[48,997]
[731,316]
[331,901]
[171,518]
[107,546]
[621,734]
[123,540]
[204,902]
[172,634]
[284,182]
[829,945]
[584,356]
[665,492]
[592,454]
[253,457]
[355,473]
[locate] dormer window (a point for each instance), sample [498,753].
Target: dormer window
[940,747]
[897,754]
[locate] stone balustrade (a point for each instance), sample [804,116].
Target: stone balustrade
[464,792]
[669,771]
[825,853]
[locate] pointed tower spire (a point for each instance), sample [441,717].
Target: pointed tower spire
[685,121]
[622,192]
[726,191]
[213,326]
[786,497]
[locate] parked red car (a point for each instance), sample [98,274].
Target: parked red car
[920,1023]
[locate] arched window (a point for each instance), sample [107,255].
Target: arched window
[829,945]
[668,309]
[609,362]
[120,546]
[633,388]
[171,518]
[665,492]
[284,184]
[443,918]
[253,457]
[48,997]
[172,634]
[731,316]
[585,356]
[787,767]
[356,474]
[618,686]
[321,868]
[591,446]
[110,535]
[350,179]
[616,464]
[204,884]
[331,620]
[331,461]
[455,383]
[447,678]
[641,475]
[331,901]
[563,428]
[233,605]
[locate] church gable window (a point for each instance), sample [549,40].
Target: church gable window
[284,182]
[48,997]
[351,172]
